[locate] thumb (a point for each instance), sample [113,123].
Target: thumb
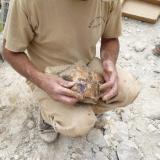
[66,84]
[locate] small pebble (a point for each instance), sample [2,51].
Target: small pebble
[16,157]
[30,124]
[32,136]
[127,57]
[2,130]
[95,149]
[75,156]
[139,47]
[27,140]
[138,30]
[153,86]
[157,156]
[1,116]
[156,71]
[151,128]
[158,144]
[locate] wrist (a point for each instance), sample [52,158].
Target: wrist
[107,58]
[108,61]
[36,77]
[108,65]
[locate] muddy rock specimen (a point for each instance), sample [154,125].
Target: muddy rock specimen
[87,82]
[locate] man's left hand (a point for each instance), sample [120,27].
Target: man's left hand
[110,88]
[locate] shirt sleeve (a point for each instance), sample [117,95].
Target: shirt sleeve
[18,32]
[113,24]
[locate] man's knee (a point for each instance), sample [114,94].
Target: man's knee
[78,126]
[129,88]
[132,92]
[84,125]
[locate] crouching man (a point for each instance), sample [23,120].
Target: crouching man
[42,33]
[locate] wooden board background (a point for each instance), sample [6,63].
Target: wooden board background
[141,10]
[153,1]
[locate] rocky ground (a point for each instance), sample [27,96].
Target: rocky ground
[131,133]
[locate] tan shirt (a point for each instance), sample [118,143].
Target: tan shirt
[57,32]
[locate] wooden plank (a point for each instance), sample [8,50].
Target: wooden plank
[140,10]
[157,2]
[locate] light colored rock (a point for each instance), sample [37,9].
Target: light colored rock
[151,128]
[2,130]
[106,151]
[127,57]
[153,86]
[75,156]
[30,124]
[112,116]
[16,157]
[128,150]
[126,115]
[138,30]
[152,109]
[32,136]
[113,155]
[108,139]
[100,156]
[96,137]
[157,71]
[27,140]
[18,121]
[158,144]
[95,149]
[118,131]
[157,156]
[139,46]
[140,124]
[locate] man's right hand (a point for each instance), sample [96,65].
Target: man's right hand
[59,89]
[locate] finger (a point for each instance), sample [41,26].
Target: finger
[112,93]
[66,84]
[113,77]
[110,83]
[67,100]
[106,86]
[102,94]
[68,92]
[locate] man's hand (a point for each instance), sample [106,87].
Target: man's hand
[110,88]
[109,55]
[55,87]
[59,89]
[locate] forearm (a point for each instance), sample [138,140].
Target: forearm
[109,55]
[110,49]
[21,63]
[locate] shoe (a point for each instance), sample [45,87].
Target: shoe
[156,51]
[46,131]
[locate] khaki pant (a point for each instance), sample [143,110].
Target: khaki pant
[77,120]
